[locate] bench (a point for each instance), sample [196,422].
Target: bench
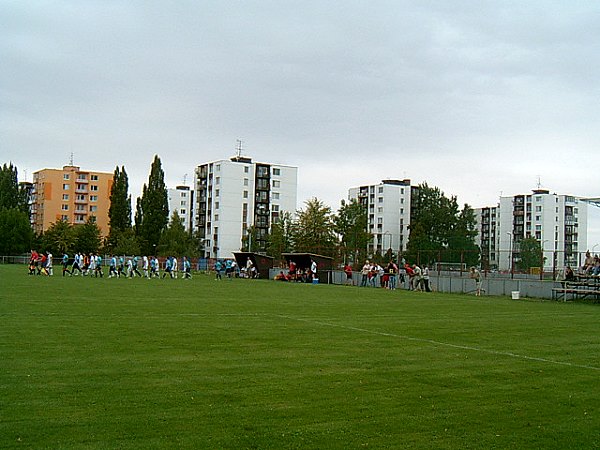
[576,290]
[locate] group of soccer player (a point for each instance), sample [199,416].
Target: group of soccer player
[91,265]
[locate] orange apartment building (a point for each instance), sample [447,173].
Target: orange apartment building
[72,195]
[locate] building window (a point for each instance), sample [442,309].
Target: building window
[276,171]
[216,217]
[182,212]
[93,177]
[93,208]
[93,187]
[276,183]
[216,205]
[182,203]
[380,190]
[275,195]
[66,187]
[538,209]
[218,167]
[93,198]
[380,199]
[65,207]
[380,209]
[217,180]
[246,169]
[275,208]
[65,196]
[66,176]
[217,192]
[64,218]
[245,194]
[245,181]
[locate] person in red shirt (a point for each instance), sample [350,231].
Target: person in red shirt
[348,272]
[33,262]
[292,271]
[410,273]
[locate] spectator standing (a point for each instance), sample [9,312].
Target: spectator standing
[426,279]
[417,278]
[348,272]
[476,276]
[366,269]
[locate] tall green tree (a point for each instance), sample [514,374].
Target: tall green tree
[119,212]
[88,237]
[175,241]
[281,238]
[126,244]
[59,238]
[16,234]
[461,242]
[11,194]
[439,230]
[315,229]
[350,224]
[153,209]
[530,254]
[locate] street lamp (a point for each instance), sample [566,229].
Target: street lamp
[510,251]
[543,260]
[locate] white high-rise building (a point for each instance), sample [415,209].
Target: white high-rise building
[235,194]
[388,207]
[181,199]
[558,222]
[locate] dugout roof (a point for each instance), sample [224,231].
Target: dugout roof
[302,260]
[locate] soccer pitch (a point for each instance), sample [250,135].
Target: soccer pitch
[120,363]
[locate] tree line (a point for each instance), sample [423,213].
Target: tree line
[437,227]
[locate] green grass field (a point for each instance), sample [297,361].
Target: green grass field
[114,363]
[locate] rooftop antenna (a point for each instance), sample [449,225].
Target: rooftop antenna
[539,182]
[239,148]
[71,160]
[185,179]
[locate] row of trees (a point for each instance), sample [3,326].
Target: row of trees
[438,226]
[317,230]
[438,229]
[15,229]
[152,233]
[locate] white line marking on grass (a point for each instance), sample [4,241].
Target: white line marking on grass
[444,344]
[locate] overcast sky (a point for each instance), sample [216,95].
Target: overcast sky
[479,98]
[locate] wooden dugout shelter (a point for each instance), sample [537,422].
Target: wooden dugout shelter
[303,261]
[263,263]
